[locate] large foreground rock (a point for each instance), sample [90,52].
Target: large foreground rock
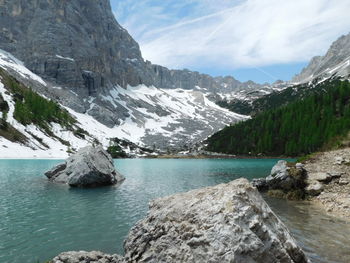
[225,223]
[89,167]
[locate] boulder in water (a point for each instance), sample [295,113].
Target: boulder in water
[89,167]
[224,223]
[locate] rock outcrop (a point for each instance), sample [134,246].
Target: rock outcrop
[285,180]
[224,223]
[89,167]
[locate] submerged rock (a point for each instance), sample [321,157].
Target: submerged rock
[87,257]
[224,223]
[89,167]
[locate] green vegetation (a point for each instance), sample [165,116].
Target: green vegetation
[31,108]
[277,99]
[116,152]
[298,128]
[6,130]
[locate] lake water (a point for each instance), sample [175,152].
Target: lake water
[39,219]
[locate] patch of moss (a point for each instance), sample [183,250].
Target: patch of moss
[276,193]
[290,195]
[295,195]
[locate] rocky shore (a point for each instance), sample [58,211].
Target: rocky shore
[224,223]
[324,179]
[332,170]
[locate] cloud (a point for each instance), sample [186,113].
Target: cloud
[233,34]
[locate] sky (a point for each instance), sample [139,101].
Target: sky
[259,40]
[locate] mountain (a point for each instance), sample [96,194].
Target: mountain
[336,62]
[334,65]
[34,126]
[91,65]
[306,114]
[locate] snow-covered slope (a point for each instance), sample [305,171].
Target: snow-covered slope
[161,118]
[166,118]
[38,143]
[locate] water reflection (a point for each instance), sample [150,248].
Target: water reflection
[323,237]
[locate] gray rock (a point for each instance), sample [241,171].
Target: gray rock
[289,181]
[224,223]
[260,184]
[339,160]
[280,169]
[299,165]
[283,177]
[321,177]
[87,257]
[90,166]
[344,181]
[279,177]
[314,188]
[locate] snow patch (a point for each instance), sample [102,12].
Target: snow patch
[7,61]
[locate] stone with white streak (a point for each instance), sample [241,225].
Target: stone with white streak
[224,223]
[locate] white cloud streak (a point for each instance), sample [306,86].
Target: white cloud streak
[233,34]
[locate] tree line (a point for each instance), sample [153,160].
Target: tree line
[298,128]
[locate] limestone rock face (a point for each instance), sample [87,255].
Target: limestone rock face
[224,223]
[89,167]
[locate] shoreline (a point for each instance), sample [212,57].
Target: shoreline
[334,198]
[203,156]
[157,157]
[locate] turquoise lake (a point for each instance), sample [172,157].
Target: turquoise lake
[40,219]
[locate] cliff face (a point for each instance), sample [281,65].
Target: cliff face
[79,44]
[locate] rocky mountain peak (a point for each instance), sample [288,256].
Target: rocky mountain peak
[334,62]
[77,44]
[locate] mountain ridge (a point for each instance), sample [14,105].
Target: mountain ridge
[91,64]
[336,62]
